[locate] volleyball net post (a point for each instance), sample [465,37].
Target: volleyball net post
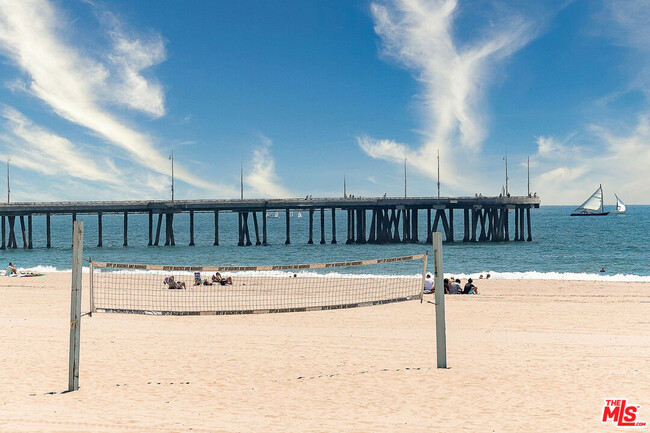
[438,281]
[75,306]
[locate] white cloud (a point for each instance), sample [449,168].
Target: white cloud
[262,177]
[40,150]
[568,173]
[79,87]
[419,34]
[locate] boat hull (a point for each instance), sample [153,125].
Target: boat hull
[590,214]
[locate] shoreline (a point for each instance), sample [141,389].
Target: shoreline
[524,275]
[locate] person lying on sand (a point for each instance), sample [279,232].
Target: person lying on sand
[217,278]
[171,284]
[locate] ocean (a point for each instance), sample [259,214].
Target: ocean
[563,247]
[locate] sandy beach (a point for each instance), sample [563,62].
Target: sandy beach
[524,355]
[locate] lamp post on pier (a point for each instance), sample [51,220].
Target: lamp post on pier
[171,157]
[8,188]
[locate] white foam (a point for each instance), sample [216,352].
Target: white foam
[534,275]
[527,275]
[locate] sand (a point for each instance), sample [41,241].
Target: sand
[538,356]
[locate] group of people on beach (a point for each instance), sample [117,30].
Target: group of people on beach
[452,286]
[171,283]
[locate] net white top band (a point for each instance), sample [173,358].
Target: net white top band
[254,268]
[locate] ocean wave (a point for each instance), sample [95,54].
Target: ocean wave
[573,276]
[525,275]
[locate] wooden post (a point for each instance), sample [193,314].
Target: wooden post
[506,225]
[491,226]
[405,225]
[516,224]
[171,229]
[29,232]
[99,229]
[288,228]
[257,230]
[361,226]
[438,282]
[530,233]
[372,235]
[429,239]
[474,222]
[191,229]
[22,230]
[395,214]
[126,229]
[311,227]
[450,233]
[521,224]
[74,218]
[240,224]
[482,213]
[150,228]
[333,225]
[216,228]
[466,225]
[167,229]
[247,234]
[4,232]
[264,227]
[75,306]
[160,216]
[414,225]
[12,233]
[322,225]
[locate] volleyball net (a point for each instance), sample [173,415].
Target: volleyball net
[198,290]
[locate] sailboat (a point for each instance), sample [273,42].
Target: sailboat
[299,215]
[272,215]
[620,207]
[593,206]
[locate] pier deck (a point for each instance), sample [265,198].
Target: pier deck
[392,219]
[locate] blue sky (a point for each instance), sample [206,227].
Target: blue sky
[94,95]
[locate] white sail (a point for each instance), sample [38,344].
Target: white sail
[594,204]
[620,206]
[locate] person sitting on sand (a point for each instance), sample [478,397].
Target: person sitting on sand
[470,289]
[217,278]
[455,288]
[11,270]
[172,284]
[428,285]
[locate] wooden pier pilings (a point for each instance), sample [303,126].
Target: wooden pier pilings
[369,220]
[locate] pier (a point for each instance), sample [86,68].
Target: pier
[374,220]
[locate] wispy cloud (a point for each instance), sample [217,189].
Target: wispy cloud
[262,177]
[40,150]
[420,36]
[81,88]
[568,171]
